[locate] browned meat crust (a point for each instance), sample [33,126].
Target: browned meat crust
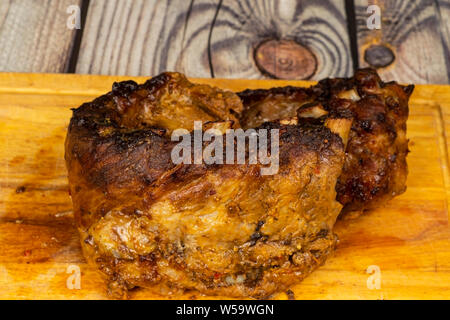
[375,168]
[220,229]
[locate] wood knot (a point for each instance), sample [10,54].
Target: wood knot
[379,56]
[285,59]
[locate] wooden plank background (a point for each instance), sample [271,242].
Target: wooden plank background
[416,32]
[208,38]
[34,36]
[288,39]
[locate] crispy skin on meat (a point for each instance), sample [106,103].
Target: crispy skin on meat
[219,229]
[170,101]
[375,168]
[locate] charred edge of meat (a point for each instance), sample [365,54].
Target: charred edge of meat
[375,170]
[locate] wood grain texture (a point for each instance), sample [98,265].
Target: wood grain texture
[241,26]
[211,38]
[443,14]
[134,37]
[409,239]
[416,32]
[34,36]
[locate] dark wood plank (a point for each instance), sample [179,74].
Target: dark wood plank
[292,39]
[34,36]
[412,44]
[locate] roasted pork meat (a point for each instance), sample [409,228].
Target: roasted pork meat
[375,168]
[226,228]
[222,229]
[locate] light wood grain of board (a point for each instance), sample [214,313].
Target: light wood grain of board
[409,239]
[417,34]
[34,36]
[320,26]
[205,38]
[133,37]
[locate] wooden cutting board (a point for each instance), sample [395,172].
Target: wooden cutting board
[406,245]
